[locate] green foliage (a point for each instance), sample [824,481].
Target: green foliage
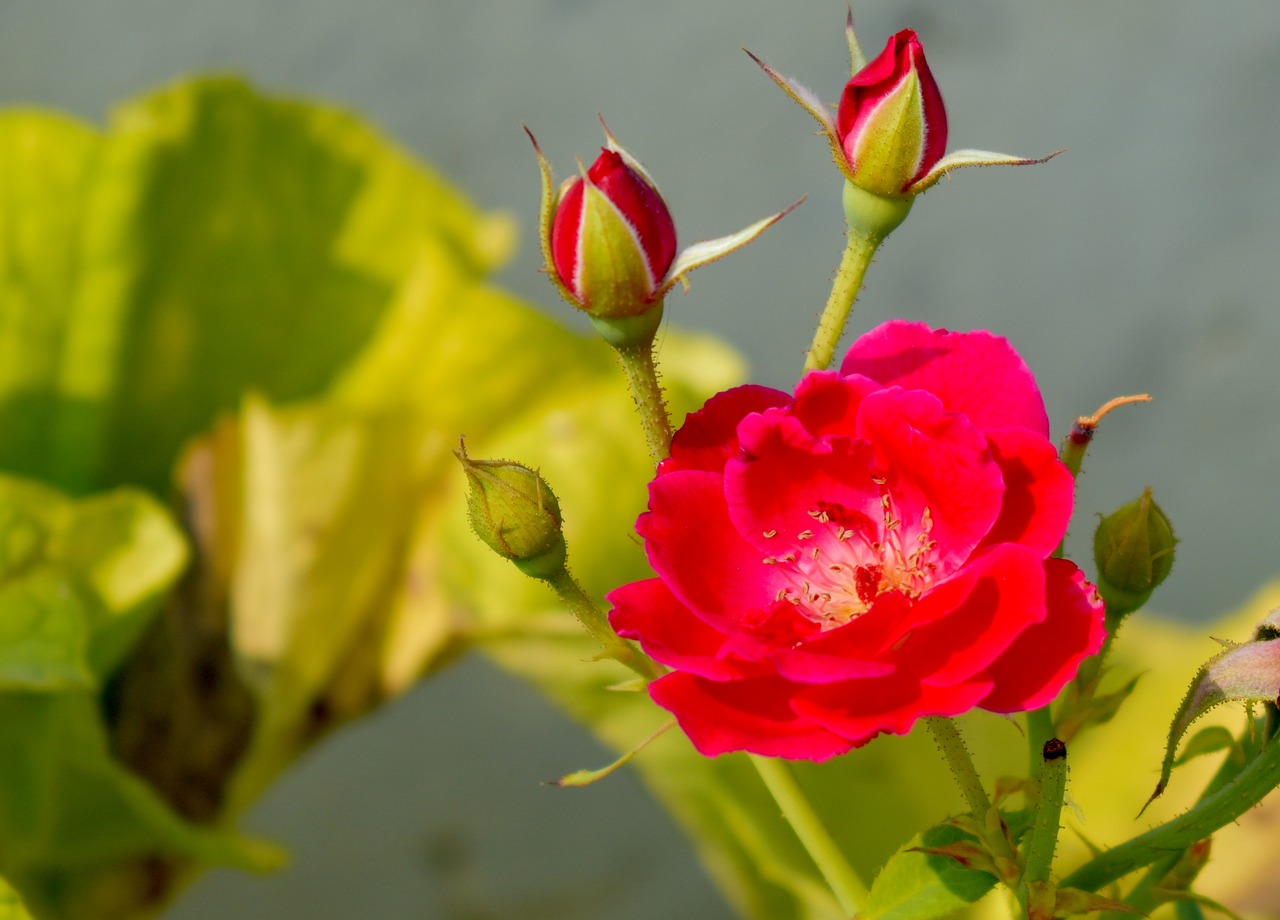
[924,886]
[79,580]
[210,245]
[211,241]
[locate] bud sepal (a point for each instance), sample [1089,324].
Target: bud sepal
[1246,672]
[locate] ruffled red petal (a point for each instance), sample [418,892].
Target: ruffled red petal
[1039,491]
[743,715]
[693,547]
[860,710]
[668,631]
[975,373]
[709,436]
[964,624]
[934,459]
[1040,662]
[786,475]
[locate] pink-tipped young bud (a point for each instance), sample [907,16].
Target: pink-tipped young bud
[891,123]
[889,133]
[612,238]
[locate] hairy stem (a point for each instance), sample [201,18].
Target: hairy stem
[642,374]
[596,623]
[1208,815]
[870,218]
[953,749]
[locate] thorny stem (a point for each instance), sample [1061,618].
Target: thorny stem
[870,218]
[844,291]
[1040,729]
[637,361]
[844,880]
[1044,832]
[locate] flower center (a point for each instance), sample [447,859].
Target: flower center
[834,571]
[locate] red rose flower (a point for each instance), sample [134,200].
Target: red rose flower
[869,551]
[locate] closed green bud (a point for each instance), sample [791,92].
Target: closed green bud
[1133,550]
[515,513]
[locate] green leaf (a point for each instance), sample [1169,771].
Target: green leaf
[211,241]
[43,633]
[10,904]
[1210,740]
[47,165]
[919,886]
[79,579]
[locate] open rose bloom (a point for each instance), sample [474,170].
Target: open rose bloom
[869,551]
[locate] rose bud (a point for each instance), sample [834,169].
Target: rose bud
[891,122]
[610,244]
[515,513]
[1133,550]
[612,237]
[890,130]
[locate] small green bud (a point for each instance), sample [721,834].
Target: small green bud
[1133,550]
[515,513]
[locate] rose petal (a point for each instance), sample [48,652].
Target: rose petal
[934,462]
[975,373]
[709,436]
[860,710]
[849,651]
[1041,661]
[694,548]
[668,631]
[964,624]
[743,715]
[788,475]
[827,402]
[1039,491]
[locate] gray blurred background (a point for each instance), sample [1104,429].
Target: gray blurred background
[1141,260]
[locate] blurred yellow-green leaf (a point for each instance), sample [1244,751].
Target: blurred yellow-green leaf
[210,241]
[81,578]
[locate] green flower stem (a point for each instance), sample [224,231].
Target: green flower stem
[1039,730]
[637,361]
[871,218]
[844,291]
[1044,832]
[1208,815]
[847,886]
[632,338]
[953,749]
[597,624]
